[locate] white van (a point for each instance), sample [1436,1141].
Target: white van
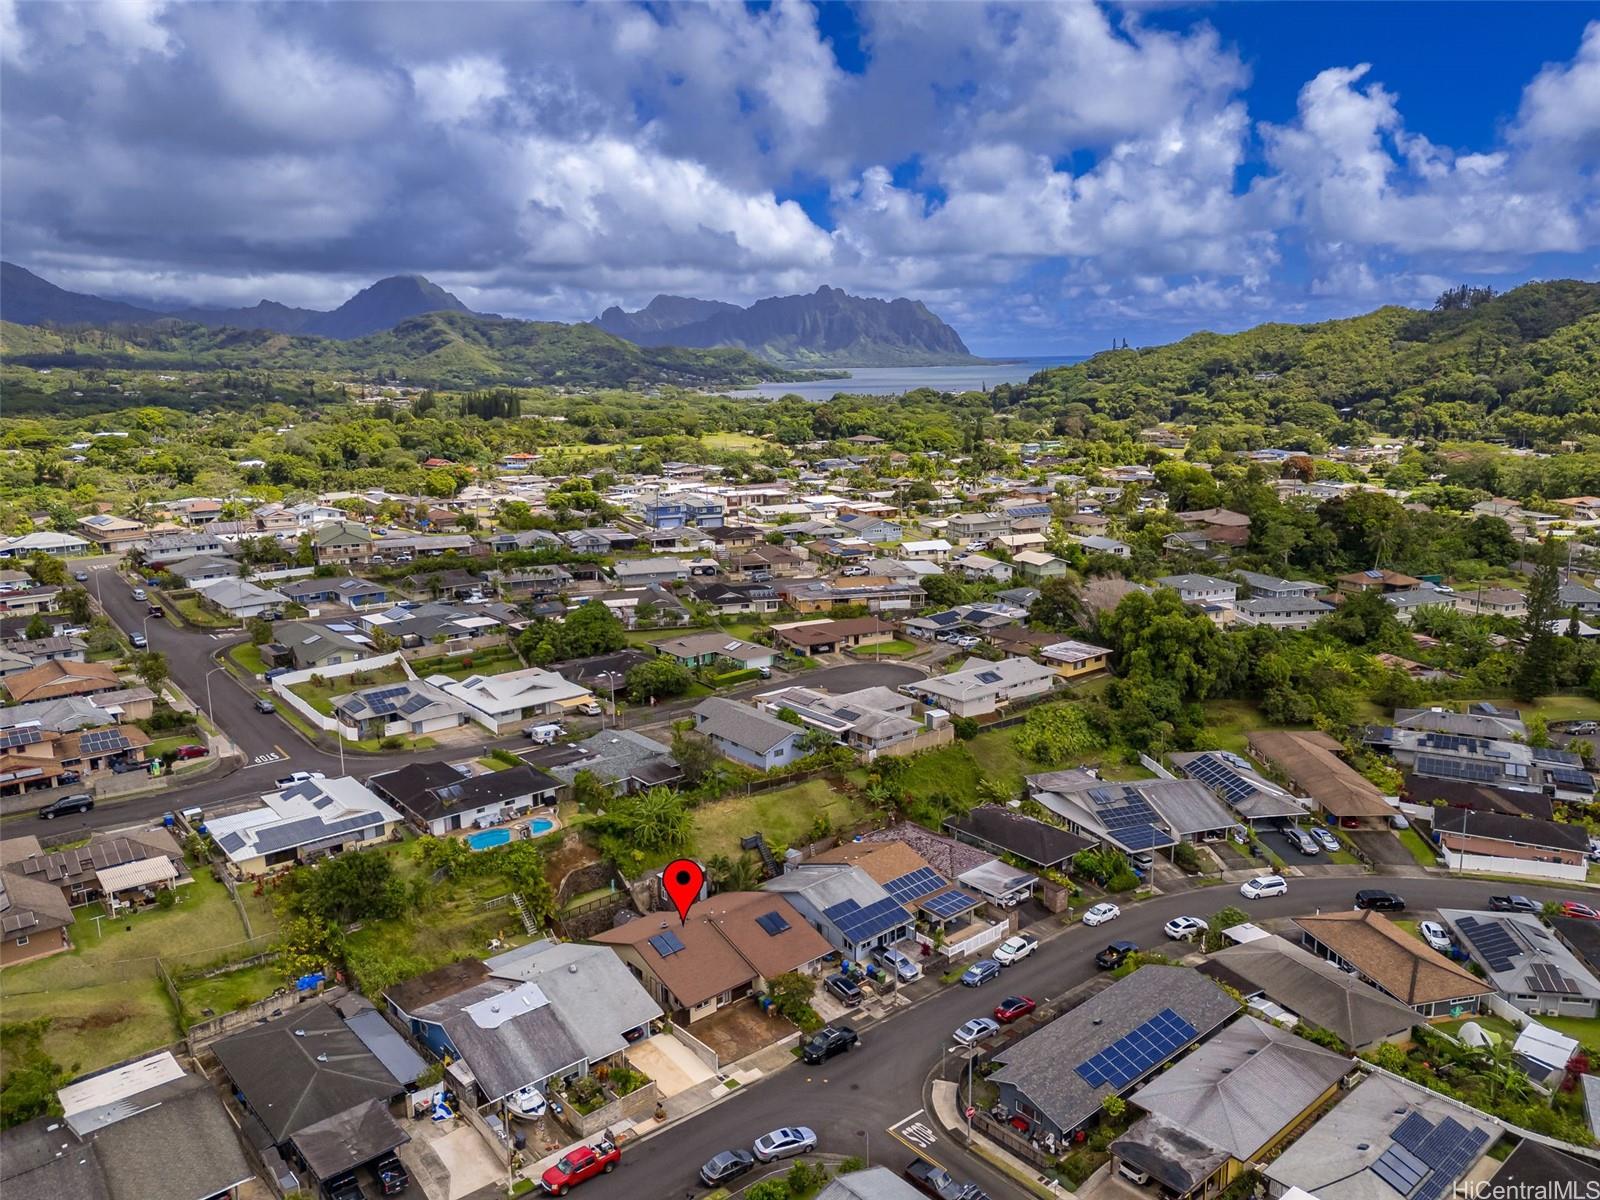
[543,735]
[1132,1174]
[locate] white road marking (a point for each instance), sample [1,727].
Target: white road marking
[262,760]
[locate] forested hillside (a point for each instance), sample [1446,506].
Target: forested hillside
[1521,366]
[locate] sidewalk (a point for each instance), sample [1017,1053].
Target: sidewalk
[947,1112]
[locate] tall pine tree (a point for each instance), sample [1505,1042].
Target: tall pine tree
[1534,677]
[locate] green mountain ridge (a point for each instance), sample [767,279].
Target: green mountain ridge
[1523,363]
[440,349]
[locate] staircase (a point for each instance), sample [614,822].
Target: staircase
[769,865]
[530,927]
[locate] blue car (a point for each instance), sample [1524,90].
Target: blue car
[979,973]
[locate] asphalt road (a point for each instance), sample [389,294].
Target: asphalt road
[872,1096]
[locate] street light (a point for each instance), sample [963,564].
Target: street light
[210,715]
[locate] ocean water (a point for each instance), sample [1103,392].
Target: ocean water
[894,381]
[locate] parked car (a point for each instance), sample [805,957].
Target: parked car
[1013,1008]
[844,988]
[1379,900]
[1115,955]
[1434,934]
[729,1165]
[263,705]
[392,1175]
[903,966]
[1264,886]
[140,594]
[1513,904]
[828,1041]
[979,973]
[1571,908]
[1302,841]
[78,802]
[785,1143]
[138,641]
[1329,842]
[933,1180]
[968,642]
[1015,949]
[185,753]
[345,1187]
[589,708]
[1180,928]
[853,572]
[528,1103]
[1398,821]
[580,1164]
[81,576]
[294,777]
[1101,913]
[975,1030]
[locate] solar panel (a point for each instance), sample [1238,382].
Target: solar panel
[1220,778]
[1492,940]
[1138,1050]
[910,886]
[1400,1169]
[773,923]
[20,737]
[1580,779]
[666,944]
[1447,768]
[101,741]
[857,924]
[1413,1131]
[1546,978]
[415,704]
[1549,754]
[950,904]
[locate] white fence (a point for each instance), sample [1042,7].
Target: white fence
[282,683]
[284,573]
[1495,864]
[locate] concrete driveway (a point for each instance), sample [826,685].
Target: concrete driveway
[669,1062]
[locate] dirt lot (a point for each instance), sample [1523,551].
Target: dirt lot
[740,1029]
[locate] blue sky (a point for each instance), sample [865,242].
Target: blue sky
[1047,177]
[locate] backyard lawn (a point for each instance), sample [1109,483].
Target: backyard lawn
[1420,850]
[320,694]
[206,998]
[784,816]
[494,660]
[196,614]
[893,649]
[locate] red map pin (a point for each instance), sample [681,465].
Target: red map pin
[682,881]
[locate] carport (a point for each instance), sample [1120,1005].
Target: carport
[349,1141]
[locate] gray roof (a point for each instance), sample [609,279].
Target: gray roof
[315,639]
[1312,988]
[1443,720]
[1175,1157]
[1042,1065]
[377,1035]
[620,754]
[236,593]
[594,993]
[348,1139]
[505,1052]
[1185,805]
[1332,1159]
[1238,1090]
[1265,801]
[34,1165]
[1530,948]
[1031,840]
[1269,606]
[827,884]
[742,725]
[1591,1102]
[875,1183]
[303,1067]
[1196,582]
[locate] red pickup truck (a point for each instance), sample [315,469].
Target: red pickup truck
[577,1165]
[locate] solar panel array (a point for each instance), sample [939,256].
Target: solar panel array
[857,924]
[1426,1160]
[1492,940]
[1545,978]
[1129,819]
[1136,1051]
[1569,775]
[1549,754]
[914,884]
[385,700]
[13,738]
[1457,742]
[666,944]
[1400,1169]
[773,923]
[950,904]
[1220,778]
[103,741]
[1450,768]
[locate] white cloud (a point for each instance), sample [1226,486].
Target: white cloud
[453,91]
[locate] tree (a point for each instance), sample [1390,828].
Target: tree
[47,569]
[150,666]
[742,874]
[32,1077]
[695,756]
[658,677]
[76,602]
[1539,655]
[358,885]
[36,628]
[651,821]
[1058,606]
[260,631]
[789,717]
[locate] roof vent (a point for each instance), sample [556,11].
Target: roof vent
[1363,1145]
[1098,1020]
[299,1033]
[572,968]
[322,1058]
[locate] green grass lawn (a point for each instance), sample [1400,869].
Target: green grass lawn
[248,658]
[1228,722]
[1420,850]
[166,745]
[196,614]
[1585,1029]
[224,993]
[784,816]
[892,649]
[733,441]
[496,660]
[1551,708]
[321,697]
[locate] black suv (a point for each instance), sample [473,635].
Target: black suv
[845,988]
[1114,955]
[1379,900]
[79,802]
[933,1180]
[825,1043]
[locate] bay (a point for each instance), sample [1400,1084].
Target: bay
[895,381]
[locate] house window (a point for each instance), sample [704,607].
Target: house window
[21,941]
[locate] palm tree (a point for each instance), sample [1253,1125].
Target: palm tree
[1503,1073]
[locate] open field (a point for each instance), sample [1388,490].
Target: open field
[784,816]
[320,693]
[733,441]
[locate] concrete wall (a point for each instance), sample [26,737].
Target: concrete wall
[282,683]
[1524,867]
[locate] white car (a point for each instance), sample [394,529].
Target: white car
[140,594]
[785,1143]
[1180,928]
[527,1103]
[1263,886]
[1015,949]
[1101,913]
[295,777]
[1433,933]
[975,1030]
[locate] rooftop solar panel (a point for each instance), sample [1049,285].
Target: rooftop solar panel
[1492,940]
[20,737]
[666,944]
[1137,1051]
[1573,777]
[1413,1131]
[908,887]
[1449,768]
[950,904]
[773,923]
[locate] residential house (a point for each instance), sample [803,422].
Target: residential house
[678,510]
[1495,762]
[727,950]
[1230,1103]
[34,917]
[1281,612]
[34,758]
[1526,963]
[201,569]
[710,649]
[748,735]
[934,550]
[640,572]
[1038,565]
[409,708]
[1511,845]
[980,687]
[241,599]
[1096,543]
[1393,961]
[1286,983]
[841,902]
[1309,760]
[500,702]
[1493,602]
[970,527]
[301,823]
[981,566]
[812,596]
[43,541]
[22,654]
[932,893]
[434,623]
[737,599]
[31,601]
[1279,589]
[1481,720]
[1002,831]
[338,589]
[811,638]
[166,549]
[1076,660]
[1573,595]
[110,533]
[108,867]
[622,760]
[303,646]
[872,722]
[1407,603]
[1255,799]
[1138,816]
[435,798]
[1376,580]
[341,542]
[60,678]
[1477,797]
[1056,1077]
[1582,508]
[1202,589]
[1360,1146]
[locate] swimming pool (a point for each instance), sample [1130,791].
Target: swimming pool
[488,839]
[540,825]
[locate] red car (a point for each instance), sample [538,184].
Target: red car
[1571,908]
[185,752]
[1012,1008]
[579,1164]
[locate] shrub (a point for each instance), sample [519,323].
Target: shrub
[966,728]
[1057,734]
[393,742]
[804,1178]
[768,1189]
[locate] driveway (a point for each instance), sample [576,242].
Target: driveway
[1381,846]
[670,1063]
[855,676]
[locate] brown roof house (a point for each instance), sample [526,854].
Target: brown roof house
[1393,961]
[34,917]
[727,950]
[1310,761]
[61,677]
